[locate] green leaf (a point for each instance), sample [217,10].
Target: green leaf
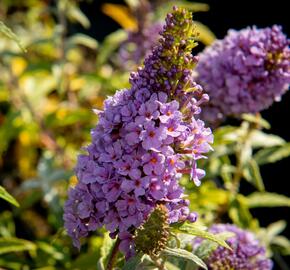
[225,139]
[205,35]
[85,40]
[267,235]
[9,33]
[7,225]
[258,120]
[75,14]
[283,243]
[221,132]
[183,255]
[240,214]
[267,199]
[15,245]
[110,43]
[276,228]
[133,263]
[260,139]
[171,266]
[252,174]
[193,7]
[86,261]
[6,263]
[166,7]
[7,197]
[226,172]
[50,250]
[105,251]
[245,153]
[206,247]
[273,154]
[193,229]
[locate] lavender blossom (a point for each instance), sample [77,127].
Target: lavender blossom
[147,136]
[247,252]
[245,72]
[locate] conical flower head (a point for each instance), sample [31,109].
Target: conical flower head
[146,137]
[245,72]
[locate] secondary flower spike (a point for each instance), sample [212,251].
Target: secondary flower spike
[141,41]
[245,72]
[138,45]
[146,137]
[247,252]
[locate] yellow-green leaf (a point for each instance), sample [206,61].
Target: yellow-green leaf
[184,255]
[15,245]
[195,230]
[81,39]
[7,197]
[253,175]
[205,35]
[256,119]
[206,247]
[75,14]
[105,251]
[110,43]
[260,139]
[240,214]
[9,33]
[272,154]
[267,199]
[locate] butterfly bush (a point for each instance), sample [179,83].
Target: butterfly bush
[245,72]
[246,251]
[146,138]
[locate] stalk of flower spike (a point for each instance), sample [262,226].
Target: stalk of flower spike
[245,72]
[246,251]
[145,139]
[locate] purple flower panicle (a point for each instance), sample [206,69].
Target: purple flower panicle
[146,137]
[247,252]
[245,72]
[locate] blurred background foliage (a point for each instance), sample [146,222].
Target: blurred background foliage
[49,86]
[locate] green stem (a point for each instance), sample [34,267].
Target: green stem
[237,176]
[239,167]
[233,184]
[159,265]
[113,256]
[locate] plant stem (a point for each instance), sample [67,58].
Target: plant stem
[238,175]
[113,256]
[160,265]
[244,144]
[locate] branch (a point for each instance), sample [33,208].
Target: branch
[113,256]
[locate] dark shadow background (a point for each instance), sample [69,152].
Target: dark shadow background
[225,14]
